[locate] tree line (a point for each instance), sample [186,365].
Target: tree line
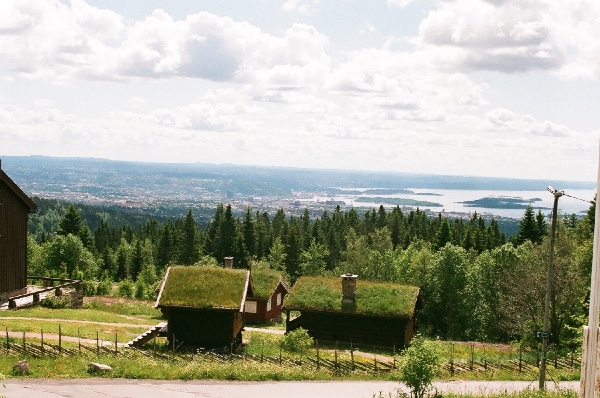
[476,283]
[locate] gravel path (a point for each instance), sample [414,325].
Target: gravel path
[120,388]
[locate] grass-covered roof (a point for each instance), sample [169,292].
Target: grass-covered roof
[372,298]
[265,282]
[204,287]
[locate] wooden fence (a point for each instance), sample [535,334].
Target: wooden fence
[342,362]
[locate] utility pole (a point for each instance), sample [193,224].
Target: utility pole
[550,272]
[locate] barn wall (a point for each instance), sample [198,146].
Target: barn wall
[383,331]
[13,241]
[204,328]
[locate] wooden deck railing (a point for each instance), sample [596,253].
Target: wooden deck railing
[48,284]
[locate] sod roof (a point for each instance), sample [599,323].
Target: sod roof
[372,298]
[265,282]
[204,287]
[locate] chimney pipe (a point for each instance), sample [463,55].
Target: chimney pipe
[349,288]
[228,262]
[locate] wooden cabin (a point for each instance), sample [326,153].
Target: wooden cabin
[15,207]
[350,310]
[204,306]
[267,302]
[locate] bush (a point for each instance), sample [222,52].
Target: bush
[126,288]
[420,364]
[297,340]
[90,288]
[56,302]
[104,288]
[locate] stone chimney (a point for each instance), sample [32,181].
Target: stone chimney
[228,262]
[349,288]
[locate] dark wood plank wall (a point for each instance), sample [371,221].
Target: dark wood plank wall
[13,240]
[382,331]
[204,327]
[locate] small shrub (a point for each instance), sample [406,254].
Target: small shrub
[126,288]
[297,340]
[140,290]
[420,364]
[104,288]
[56,302]
[90,288]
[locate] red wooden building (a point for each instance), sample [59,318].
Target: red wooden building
[15,207]
[267,302]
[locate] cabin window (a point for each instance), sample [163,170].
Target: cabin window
[269,305]
[250,307]
[278,298]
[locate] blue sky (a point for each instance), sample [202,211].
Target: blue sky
[505,88]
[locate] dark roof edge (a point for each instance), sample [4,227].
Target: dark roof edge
[15,188]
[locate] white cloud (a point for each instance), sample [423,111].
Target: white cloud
[399,3]
[305,7]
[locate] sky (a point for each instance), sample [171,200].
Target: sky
[498,88]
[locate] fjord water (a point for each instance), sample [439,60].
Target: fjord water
[576,201]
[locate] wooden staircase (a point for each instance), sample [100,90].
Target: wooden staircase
[155,331]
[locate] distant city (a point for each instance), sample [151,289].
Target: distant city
[158,189]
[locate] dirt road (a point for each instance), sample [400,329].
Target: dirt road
[120,388]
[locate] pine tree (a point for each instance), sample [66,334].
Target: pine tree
[528,228]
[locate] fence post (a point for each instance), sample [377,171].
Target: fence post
[79,340]
[472,357]
[336,359]
[59,339]
[116,345]
[7,342]
[451,358]
[521,358]
[318,357]
[352,355]
[97,344]
[24,344]
[262,350]
[42,340]
[154,346]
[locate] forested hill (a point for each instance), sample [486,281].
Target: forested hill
[476,283]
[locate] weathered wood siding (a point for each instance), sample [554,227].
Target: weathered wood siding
[204,327]
[13,240]
[383,331]
[262,313]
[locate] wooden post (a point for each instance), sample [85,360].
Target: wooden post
[116,345]
[42,339]
[521,358]
[472,358]
[24,344]
[318,357]
[7,342]
[154,346]
[79,339]
[97,344]
[451,358]
[588,372]
[352,355]
[59,339]
[336,359]
[262,350]
[173,343]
